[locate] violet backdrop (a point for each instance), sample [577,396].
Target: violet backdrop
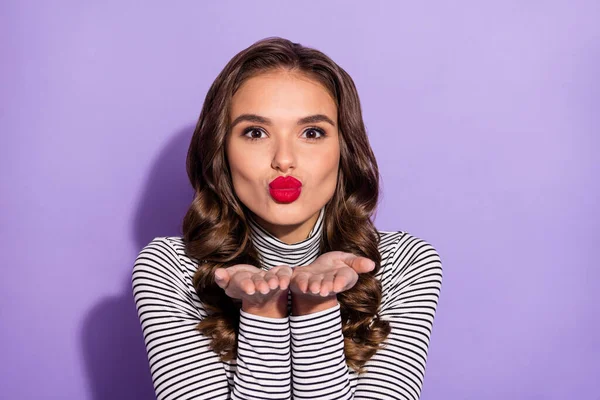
[484,117]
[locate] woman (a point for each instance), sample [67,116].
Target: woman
[280,286]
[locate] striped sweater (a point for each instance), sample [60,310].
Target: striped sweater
[299,357]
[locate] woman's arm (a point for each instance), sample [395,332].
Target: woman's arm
[412,280]
[181,362]
[318,359]
[263,361]
[319,367]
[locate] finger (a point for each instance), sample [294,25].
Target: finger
[247,285]
[222,277]
[225,277]
[272,280]
[344,279]
[367,265]
[300,281]
[314,284]
[281,270]
[284,277]
[241,268]
[358,263]
[260,283]
[327,285]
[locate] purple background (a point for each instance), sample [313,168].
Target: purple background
[484,119]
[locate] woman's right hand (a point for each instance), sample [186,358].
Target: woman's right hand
[262,292]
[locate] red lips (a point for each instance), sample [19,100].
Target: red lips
[285,189]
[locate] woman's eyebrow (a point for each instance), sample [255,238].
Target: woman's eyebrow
[251,118]
[311,119]
[316,118]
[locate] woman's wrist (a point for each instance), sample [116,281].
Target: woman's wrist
[304,304]
[272,308]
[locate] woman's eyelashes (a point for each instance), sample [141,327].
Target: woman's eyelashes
[312,133]
[253,131]
[315,131]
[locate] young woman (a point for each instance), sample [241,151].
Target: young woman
[280,286]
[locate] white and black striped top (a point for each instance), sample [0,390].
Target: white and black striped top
[300,357]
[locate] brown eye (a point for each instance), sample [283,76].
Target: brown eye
[253,133]
[314,133]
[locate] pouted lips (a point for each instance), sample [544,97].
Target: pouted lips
[285,189]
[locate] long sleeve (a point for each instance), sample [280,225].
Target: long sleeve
[411,287]
[264,360]
[319,368]
[411,281]
[182,364]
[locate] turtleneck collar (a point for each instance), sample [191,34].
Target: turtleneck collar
[273,251]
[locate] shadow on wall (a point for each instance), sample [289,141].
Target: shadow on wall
[112,341]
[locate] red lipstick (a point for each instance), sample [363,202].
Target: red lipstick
[285,189]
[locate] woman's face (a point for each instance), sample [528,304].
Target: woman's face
[283,123]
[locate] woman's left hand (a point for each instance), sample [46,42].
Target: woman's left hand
[329,274]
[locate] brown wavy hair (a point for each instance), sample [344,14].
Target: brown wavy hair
[215,228]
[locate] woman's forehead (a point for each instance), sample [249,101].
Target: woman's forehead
[282,95]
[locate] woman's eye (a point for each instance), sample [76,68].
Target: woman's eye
[314,133]
[253,133]
[258,133]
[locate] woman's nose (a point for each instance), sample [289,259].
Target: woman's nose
[283,156]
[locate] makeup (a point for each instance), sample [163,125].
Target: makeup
[285,189]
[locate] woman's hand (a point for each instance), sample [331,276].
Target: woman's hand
[314,287]
[262,292]
[331,273]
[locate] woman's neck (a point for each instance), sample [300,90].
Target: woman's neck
[289,234]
